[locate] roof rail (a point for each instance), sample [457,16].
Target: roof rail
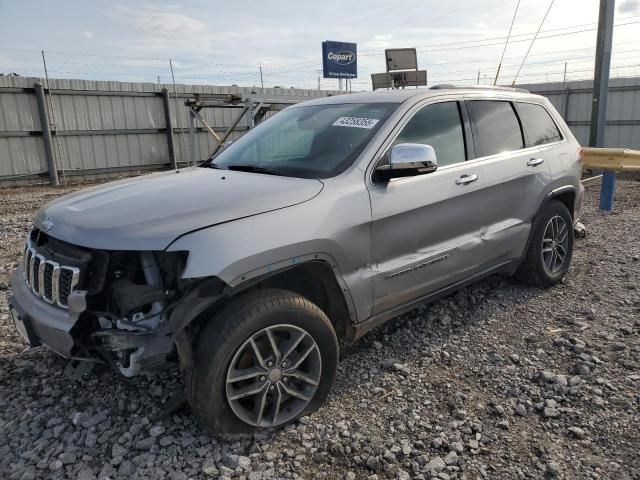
[448,86]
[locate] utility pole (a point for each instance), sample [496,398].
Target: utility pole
[261,80]
[600,96]
[564,76]
[53,117]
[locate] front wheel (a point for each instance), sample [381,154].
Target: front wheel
[266,359]
[551,248]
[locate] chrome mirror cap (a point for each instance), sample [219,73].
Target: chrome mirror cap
[407,160]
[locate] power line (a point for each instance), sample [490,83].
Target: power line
[492,62]
[471,79]
[463,44]
[506,44]
[486,39]
[533,41]
[506,66]
[583,59]
[431,50]
[286,73]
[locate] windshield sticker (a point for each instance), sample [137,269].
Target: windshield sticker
[356,122]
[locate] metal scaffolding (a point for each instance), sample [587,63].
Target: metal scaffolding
[255,106]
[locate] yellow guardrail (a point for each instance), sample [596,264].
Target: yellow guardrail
[611,159]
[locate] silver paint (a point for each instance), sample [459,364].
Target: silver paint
[388,244]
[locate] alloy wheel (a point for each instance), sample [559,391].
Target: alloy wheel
[273,376]
[555,244]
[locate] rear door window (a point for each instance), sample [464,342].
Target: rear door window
[496,127]
[539,127]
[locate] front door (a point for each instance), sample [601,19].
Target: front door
[426,228]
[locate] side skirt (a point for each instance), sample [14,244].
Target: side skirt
[377,320]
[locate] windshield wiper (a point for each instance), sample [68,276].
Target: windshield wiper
[213,165]
[256,169]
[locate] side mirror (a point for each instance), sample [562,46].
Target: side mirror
[408,160]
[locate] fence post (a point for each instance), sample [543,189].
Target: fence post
[565,105]
[192,137]
[45,126]
[169,126]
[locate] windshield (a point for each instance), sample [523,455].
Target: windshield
[317,141]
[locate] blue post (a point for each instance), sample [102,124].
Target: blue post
[600,95]
[607,190]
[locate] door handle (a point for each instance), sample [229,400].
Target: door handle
[466,179]
[534,162]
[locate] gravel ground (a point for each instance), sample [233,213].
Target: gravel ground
[498,381]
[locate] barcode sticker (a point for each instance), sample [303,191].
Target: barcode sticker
[356,122]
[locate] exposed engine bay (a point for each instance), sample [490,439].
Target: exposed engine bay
[128,298]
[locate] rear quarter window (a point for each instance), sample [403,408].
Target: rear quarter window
[539,127]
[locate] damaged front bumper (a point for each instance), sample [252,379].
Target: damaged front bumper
[63,331]
[41,323]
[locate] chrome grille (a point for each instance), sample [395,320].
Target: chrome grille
[48,279]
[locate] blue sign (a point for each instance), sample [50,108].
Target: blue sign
[339,60]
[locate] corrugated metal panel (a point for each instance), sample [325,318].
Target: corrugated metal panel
[89,110]
[581,133]
[18,112]
[624,105]
[111,151]
[24,155]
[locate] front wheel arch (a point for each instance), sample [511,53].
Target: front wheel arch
[316,280]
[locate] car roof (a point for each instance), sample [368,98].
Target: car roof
[400,96]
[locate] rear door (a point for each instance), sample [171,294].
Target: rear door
[426,228]
[516,175]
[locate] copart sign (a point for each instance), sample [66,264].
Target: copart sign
[339,60]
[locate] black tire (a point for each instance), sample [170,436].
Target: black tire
[223,338]
[534,270]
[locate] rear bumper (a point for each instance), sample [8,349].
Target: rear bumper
[39,322]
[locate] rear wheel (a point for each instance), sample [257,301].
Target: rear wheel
[549,253]
[266,359]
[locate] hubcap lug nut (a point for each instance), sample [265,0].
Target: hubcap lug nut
[284,364]
[272,388]
[263,378]
[269,363]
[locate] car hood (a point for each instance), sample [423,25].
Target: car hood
[148,213]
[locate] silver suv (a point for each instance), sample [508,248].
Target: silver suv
[313,228]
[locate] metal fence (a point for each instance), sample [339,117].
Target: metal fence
[574,99]
[106,128]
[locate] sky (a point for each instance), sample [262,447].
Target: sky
[225,43]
